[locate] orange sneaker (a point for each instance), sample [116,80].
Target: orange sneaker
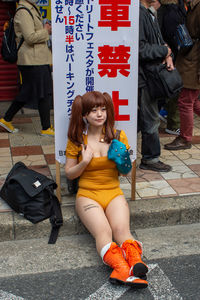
[112,256]
[132,251]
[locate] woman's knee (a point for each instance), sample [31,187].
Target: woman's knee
[104,233]
[120,230]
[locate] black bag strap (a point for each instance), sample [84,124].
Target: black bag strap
[24,7]
[117,134]
[22,39]
[56,219]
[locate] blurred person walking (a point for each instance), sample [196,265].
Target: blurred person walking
[188,65]
[155,5]
[34,60]
[170,14]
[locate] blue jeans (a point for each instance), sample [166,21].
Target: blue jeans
[149,123]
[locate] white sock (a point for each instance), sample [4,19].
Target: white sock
[104,250]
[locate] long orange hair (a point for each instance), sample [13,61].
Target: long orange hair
[82,106]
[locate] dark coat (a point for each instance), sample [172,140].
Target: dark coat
[151,43]
[170,14]
[189,64]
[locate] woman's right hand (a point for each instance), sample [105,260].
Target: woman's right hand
[87,153]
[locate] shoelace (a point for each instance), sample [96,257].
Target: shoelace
[133,252]
[121,263]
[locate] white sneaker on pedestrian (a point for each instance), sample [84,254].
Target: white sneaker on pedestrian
[175,131]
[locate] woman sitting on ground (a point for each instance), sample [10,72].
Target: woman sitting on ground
[100,203]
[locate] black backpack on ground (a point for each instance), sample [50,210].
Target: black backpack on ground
[31,194]
[9,47]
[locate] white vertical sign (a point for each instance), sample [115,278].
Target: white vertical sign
[95,47]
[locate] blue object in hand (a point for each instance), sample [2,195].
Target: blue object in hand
[120,155]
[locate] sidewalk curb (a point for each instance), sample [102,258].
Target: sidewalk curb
[143,214]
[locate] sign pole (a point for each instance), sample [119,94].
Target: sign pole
[133,180]
[58,190]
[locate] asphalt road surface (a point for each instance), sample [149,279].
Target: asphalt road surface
[169,279]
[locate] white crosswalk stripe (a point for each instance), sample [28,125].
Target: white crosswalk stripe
[160,287]
[8,296]
[108,292]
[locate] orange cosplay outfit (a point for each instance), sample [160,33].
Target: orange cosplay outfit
[99,181]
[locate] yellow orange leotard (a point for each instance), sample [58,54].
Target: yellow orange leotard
[99,181]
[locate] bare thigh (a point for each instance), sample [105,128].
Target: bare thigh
[118,215]
[93,217]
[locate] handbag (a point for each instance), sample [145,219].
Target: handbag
[118,153]
[182,38]
[72,186]
[161,82]
[31,195]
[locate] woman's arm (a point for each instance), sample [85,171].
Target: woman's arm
[73,169]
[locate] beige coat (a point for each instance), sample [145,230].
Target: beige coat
[189,64]
[34,50]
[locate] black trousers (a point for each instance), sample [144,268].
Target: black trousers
[43,108]
[149,123]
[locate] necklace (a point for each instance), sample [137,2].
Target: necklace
[101,139]
[102,136]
